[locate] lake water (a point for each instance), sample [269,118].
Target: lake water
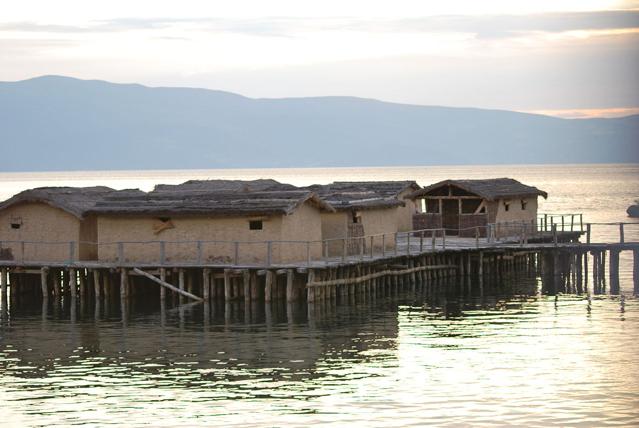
[512,357]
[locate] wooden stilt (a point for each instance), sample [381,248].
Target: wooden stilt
[181,284]
[246,278]
[96,284]
[44,272]
[290,276]
[268,286]
[227,285]
[206,285]
[124,283]
[73,283]
[635,271]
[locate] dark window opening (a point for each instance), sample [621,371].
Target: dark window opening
[356,218]
[469,206]
[506,206]
[255,225]
[164,219]
[523,204]
[432,206]
[482,210]
[15,225]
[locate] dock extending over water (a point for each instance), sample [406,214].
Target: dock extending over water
[366,269]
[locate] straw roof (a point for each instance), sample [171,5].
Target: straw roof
[211,203]
[77,201]
[260,185]
[490,189]
[361,195]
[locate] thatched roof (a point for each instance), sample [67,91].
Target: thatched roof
[260,185]
[490,189]
[212,203]
[347,195]
[77,201]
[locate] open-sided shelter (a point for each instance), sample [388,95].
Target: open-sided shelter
[463,207]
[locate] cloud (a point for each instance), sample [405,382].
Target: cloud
[484,26]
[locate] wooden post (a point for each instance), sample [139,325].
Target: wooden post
[121,252]
[588,233]
[236,256]
[372,246]
[476,236]
[554,234]
[227,285]
[4,275]
[310,290]
[181,283]
[269,253]
[73,283]
[162,252]
[621,237]
[82,284]
[614,271]
[433,237]
[56,284]
[124,283]
[290,275]
[96,284]
[308,253]
[268,286]
[246,278]
[206,284]
[480,272]
[384,245]
[163,279]
[635,271]
[343,249]
[43,282]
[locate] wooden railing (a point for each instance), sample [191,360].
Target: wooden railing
[268,253]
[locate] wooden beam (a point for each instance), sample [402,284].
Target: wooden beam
[167,285]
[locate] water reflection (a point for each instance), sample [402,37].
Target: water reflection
[434,355]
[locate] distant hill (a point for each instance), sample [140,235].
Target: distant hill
[61,123]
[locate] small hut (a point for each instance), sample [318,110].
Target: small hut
[365,208]
[51,223]
[218,227]
[463,207]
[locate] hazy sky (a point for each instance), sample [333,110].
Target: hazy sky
[568,57]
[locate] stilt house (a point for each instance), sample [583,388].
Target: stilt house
[465,207]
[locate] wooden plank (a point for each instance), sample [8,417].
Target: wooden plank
[167,285]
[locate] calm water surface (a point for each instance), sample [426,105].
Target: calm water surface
[512,357]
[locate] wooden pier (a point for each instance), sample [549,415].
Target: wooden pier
[419,257]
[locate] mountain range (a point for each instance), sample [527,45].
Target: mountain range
[61,123]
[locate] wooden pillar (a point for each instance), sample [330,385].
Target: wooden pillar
[206,284]
[96,284]
[72,281]
[614,271]
[56,284]
[227,285]
[181,283]
[579,269]
[268,286]
[290,276]
[310,292]
[162,289]
[43,282]
[255,291]
[635,271]
[246,278]
[124,283]
[82,283]
[480,272]
[4,276]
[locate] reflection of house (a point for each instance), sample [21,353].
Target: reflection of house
[460,206]
[365,208]
[58,216]
[199,217]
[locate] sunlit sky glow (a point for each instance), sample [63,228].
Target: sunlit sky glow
[572,58]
